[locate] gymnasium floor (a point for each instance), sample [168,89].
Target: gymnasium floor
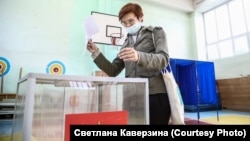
[221,117]
[5,125]
[205,114]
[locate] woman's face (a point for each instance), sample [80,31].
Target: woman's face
[129,19]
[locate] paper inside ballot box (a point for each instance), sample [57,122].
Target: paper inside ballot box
[100,118]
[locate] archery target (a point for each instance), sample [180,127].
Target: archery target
[4,66]
[55,67]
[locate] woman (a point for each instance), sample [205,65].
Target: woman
[143,57]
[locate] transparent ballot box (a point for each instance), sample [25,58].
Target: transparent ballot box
[47,104]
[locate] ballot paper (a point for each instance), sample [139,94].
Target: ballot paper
[90,29]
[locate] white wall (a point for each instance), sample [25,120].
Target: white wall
[233,67]
[35,32]
[181,5]
[32,33]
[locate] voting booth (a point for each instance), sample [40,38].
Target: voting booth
[47,104]
[197,83]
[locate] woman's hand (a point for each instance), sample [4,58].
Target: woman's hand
[128,54]
[91,47]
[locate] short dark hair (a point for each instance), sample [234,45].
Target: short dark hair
[131,7]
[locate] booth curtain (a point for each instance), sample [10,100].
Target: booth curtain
[196,80]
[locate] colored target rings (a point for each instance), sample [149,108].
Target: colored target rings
[55,67]
[4,66]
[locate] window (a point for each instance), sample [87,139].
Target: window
[241,45]
[210,21]
[237,17]
[226,48]
[212,52]
[223,23]
[227,29]
[246,4]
